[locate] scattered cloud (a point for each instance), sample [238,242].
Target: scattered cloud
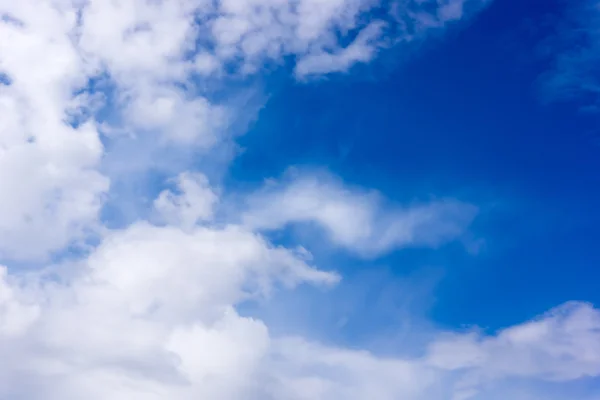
[90,87]
[85,83]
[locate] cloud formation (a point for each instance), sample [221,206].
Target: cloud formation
[355,219]
[78,76]
[151,310]
[151,313]
[194,201]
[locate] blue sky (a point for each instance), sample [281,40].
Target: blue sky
[463,117]
[303,200]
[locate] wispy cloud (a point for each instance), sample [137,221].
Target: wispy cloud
[361,221]
[575,73]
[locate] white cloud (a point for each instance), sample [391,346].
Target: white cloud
[51,192]
[195,201]
[362,49]
[15,317]
[314,31]
[152,309]
[160,63]
[153,312]
[313,371]
[562,345]
[356,219]
[180,119]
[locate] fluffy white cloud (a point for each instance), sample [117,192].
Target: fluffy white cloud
[356,219]
[180,119]
[51,192]
[152,312]
[194,202]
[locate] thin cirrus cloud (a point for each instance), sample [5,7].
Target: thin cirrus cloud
[358,220]
[574,74]
[150,311]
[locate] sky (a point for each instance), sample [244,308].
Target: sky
[299,199]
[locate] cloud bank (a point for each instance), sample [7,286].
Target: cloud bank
[151,313]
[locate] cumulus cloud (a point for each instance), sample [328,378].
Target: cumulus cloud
[51,191]
[152,314]
[356,219]
[194,202]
